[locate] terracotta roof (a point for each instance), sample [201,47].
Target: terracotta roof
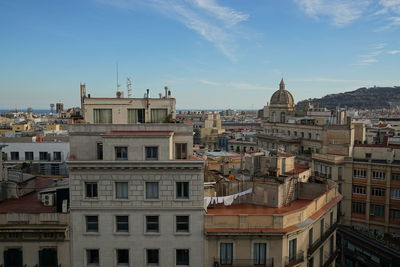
[139,133]
[251,230]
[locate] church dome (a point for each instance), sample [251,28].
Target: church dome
[282,96]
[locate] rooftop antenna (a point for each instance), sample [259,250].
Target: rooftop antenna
[118,85]
[129,86]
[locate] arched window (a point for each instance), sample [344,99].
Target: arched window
[273,116]
[283,117]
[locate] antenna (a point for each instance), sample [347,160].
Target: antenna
[129,86]
[118,85]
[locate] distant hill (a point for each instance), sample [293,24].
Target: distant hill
[362,98]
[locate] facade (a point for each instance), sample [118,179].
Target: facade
[212,129]
[259,229]
[136,196]
[121,110]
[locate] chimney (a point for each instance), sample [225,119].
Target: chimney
[166,91]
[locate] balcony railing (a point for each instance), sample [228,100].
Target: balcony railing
[314,246]
[244,263]
[296,259]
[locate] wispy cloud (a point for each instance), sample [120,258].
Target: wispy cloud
[344,12]
[212,21]
[372,56]
[394,52]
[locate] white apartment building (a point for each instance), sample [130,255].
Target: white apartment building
[136,196]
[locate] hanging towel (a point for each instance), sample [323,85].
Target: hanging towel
[228,200]
[207,201]
[220,200]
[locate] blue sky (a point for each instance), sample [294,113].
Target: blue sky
[211,53]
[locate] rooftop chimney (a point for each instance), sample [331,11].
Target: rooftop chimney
[166,91]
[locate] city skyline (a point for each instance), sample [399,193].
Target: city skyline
[211,54]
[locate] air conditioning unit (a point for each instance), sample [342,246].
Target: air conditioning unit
[48,199]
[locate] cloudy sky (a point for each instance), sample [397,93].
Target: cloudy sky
[211,53]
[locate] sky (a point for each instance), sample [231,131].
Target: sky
[212,54]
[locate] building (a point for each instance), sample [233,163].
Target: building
[121,110]
[371,206]
[286,220]
[304,132]
[212,129]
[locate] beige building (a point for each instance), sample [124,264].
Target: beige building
[212,128]
[121,110]
[260,230]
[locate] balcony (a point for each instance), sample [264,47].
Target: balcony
[314,246]
[244,263]
[296,259]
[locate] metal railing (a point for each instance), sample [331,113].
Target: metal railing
[243,263]
[295,259]
[314,246]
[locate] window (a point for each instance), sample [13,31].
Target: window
[182,224]
[152,190]
[360,173]
[57,155]
[377,175]
[14,155]
[92,257]
[283,117]
[48,257]
[368,155]
[395,194]
[310,262]
[136,115]
[13,257]
[310,237]
[102,115]
[292,249]
[358,208]
[182,257]
[122,224]
[226,253]
[152,224]
[122,257]
[302,134]
[43,156]
[322,226]
[153,257]
[394,215]
[378,192]
[182,190]
[321,256]
[99,150]
[91,189]
[331,217]
[309,135]
[295,133]
[158,115]
[29,156]
[377,211]
[121,190]
[92,224]
[259,253]
[181,151]
[121,153]
[358,189]
[151,152]
[396,177]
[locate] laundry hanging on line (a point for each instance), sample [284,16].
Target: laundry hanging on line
[226,200]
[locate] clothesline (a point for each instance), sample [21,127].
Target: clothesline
[227,200]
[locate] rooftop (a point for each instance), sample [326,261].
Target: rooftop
[139,133]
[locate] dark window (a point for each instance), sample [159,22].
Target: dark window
[29,155]
[378,192]
[394,214]
[396,176]
[358,208]
[310,237]
[377,211]
[55,169]
[182,223]
[151,152]
[377,175]
[14,155]
[158,115]
[181,151]
[368,155]
[310,262]
[102,115]
[292,249]
[92,223]
[152,224]
[226,253]
[259,253]
[123,257]
[182,190]
[360,173]
[136,115]
[48,257]
[92,257]
[121,153]
[358,189]
[99,150]
[13,257]
[122,223]
[182,257]
[91,189]
[121,190]
[57,155]
[152,257]
[43,156]
[322,226]
[152,190]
